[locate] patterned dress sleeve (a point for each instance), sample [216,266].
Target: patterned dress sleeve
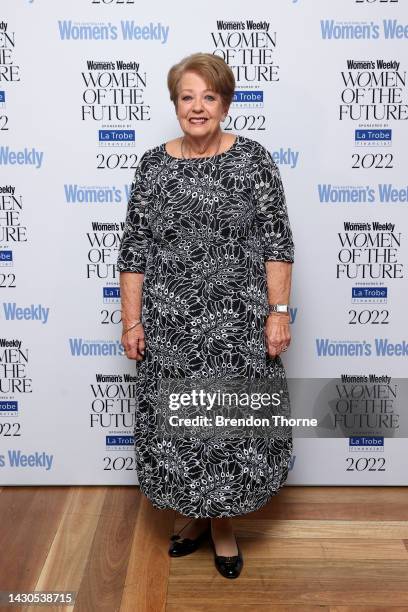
[136,238]
[271,213]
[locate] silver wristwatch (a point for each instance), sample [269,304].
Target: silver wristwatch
[278,308]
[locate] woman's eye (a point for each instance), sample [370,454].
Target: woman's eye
[208,97]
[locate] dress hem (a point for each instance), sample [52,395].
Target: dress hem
[261,505]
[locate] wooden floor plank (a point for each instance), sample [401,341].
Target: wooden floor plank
[363,608]
[257,588]
[67,557]
[145,588]
[105,572]
[277,571]
[299,596]
[321,529]
[317,548]
[338,494]
[331,510]
[29,518]
[242,607]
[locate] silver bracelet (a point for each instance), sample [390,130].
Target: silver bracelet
[138,322]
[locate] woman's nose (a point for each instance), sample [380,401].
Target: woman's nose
[197,104]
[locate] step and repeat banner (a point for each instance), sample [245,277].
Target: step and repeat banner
[323,85]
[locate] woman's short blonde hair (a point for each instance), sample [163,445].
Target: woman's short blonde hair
[213,69]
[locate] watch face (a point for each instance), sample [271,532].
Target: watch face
[279,308]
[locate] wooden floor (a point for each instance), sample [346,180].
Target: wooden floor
[334,549]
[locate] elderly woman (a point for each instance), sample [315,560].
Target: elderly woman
[205,273]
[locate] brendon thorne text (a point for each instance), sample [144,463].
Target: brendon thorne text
[251,421]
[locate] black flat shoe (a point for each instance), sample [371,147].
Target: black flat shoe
[229,567]
[185,546]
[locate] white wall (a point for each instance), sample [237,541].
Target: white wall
[63,429]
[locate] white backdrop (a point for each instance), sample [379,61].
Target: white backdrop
[323,85]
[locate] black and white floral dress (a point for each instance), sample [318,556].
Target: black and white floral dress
[201,230]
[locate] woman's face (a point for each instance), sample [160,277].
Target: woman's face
[199,109]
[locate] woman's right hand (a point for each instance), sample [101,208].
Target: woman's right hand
[134,343]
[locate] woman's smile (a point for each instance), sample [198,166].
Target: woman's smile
[198,120]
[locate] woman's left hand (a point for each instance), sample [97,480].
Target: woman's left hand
[277,334]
